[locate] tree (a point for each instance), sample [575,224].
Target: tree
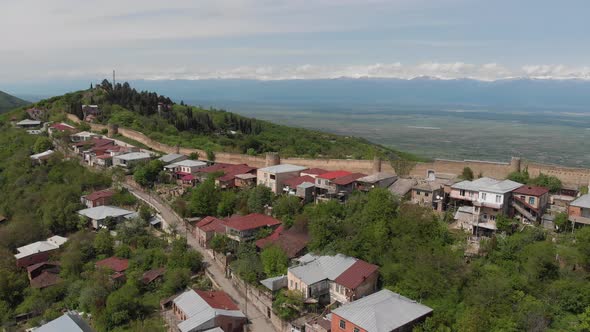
[145,213]
[288,304]
[123,305]
[562,222]
[220,243]
[175,280]
[274,260]
[286,208]
[505,224]
[103,243]
[210,155]
[146,175]
[227,203]
[583,243]
[205,198]
[42,144]
[259,198]
[467,174]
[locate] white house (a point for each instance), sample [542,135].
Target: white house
[274,176]
[131,159]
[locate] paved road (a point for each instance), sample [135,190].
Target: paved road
[259,322]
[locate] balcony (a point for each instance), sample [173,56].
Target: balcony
[580,220]
[488,204]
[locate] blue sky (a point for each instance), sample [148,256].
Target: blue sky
[282,39]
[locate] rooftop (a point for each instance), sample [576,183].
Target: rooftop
[315,171]
[531,191]
[68,322]
[62,126]
[200,311]
[99,194]
[275,283]
[28,122]
[582,201]
[317,268]
[294,182]
[103,212]
[402,186]
[488,184]
[291,241]
[333,175]
[251,221]
[42,155]
[189,163]
[168,158]
[51,243]
[383,311]
[134,156]
[283,168]
[231,172]
[209,224]
[355,275]
[376,177]
[114,263]
[348,179]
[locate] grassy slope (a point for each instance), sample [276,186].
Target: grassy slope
[8,102]
[288,141]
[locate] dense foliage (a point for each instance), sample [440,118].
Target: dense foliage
[543,180]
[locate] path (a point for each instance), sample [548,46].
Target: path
[259,322]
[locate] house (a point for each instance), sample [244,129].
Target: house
[185,167]
[97,198]
[131,159]
[93,142]
[29,124]
[228,179]
[290,185]
[244,228]
[71,321]
[100,215]
[40,158]
[44,274]
[489,197]
[579,210]
[36,113]
[275,283]
[152,275]
[345,185]
[331,279]
[428,193]
[306,191]
[384,311]
[116,265]
[324,182]
[172,158]
[530,203]
[83,136]
[245,180]
[39,251]
[318,324]
[337,184]
[292,241]
[273,177]
[376,180]
[61,128]
[206,228]
[313,172]
[205,172]
[401,187]
[205,310]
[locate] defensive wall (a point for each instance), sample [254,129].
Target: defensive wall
[568,175]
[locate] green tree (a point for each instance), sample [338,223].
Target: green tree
[123,305]
[220,243]
[274,260]
[210,155]
[286,208]
[258,198]
[42,144]
[103,243]
[205,199]
[562,222]
[467,174]
[175,280]
[288,304]
[227,203]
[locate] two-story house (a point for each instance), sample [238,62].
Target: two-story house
[579,211]
[488,197]
[530,203]
[331,279]
[274,177]
[244,228]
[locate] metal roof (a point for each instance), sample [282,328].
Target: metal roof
[189,163]
[104,211]
[317,268]
[42,154]
[28,122]
[68,322]
[168,158]
[306,185]
[488,184]
[200,314]
[134,156]
[376,177]
[582,201]
[275,283]
[383,311]
[402,186]
[51,243]
[283,168]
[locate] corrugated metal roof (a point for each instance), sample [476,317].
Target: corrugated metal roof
[582,201]
[376,177]
[168,158]
[283,168]
[201,314]
[190,163]
[317,268]
[383,311]
[275,283]
[51,243]
[134,156]
[487,184]
[104,211]
[68,322]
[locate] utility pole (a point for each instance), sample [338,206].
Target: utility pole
[113,79]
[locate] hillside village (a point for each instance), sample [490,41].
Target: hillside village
[246,226]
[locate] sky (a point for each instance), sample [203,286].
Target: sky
[293,39]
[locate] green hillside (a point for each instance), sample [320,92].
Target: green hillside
[209,129]
[8,102]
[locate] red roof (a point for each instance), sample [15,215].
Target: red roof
[218,300]
[99,194]
[152,275]
[114,263]
[294,182]
[333,175]
[33,267]
[45,279]
[214,168]
[213,224]
[347,179]
[188,177]
[315,171]
[531,191]
[231,171]
[251,221]
[96,142]
[291,241]
[62,127]
[356,274]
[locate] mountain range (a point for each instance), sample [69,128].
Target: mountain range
[8,102]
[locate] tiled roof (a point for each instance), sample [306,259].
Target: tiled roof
[294,182]
[315,171]
[531,191]
[152,275]
[348,179]
[33,267]
[251,221]
[200,312]
[356,274]
[214,168]
[213,224]
[231,171]
[114,263]
[333,175]
[62,127]
[99,194]
[291,241]
[218,300]
[382,311]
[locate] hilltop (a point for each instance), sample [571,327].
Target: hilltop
[8,102]
[210,129]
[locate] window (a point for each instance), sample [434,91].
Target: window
[471,194]
[493,218]
[426,194]
[272,177]
[291,281]
[342,324]
[297,285]
[498,199]
[356,329]
[531,200]
[462,192]
[485,216]
[483,196]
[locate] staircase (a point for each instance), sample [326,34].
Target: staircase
[523,211]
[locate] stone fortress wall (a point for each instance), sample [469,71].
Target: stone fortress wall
[570,176]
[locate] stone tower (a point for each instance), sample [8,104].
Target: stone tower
[515,164]
[272,159]
[376,164]
[113,130]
